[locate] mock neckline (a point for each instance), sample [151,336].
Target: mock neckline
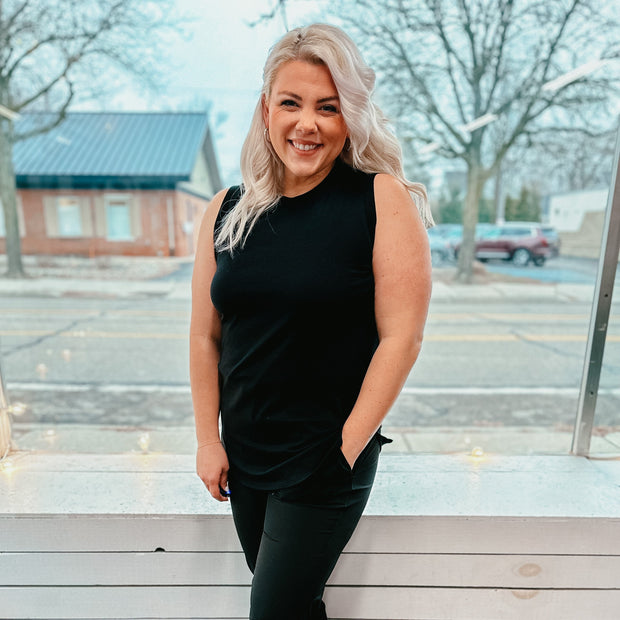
[318,187]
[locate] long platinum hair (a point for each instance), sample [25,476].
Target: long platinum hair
[372,147]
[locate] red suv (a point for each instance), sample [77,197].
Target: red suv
[520,242]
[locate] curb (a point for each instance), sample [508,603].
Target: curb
[442,292]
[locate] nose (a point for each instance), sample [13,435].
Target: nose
[306,123]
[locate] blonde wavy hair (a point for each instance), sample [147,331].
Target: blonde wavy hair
[371,147]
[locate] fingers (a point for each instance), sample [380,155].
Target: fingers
[216,493]
[218,488]
[224,481]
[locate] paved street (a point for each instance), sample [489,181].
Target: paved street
[505,354]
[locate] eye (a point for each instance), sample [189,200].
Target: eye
[288,103]
[328,107]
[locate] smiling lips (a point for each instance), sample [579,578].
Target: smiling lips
[300,146]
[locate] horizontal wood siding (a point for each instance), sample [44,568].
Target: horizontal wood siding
[375,534]
[136,537]
[415,568]
[354,569]
[350,603]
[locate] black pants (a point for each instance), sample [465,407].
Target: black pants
[292,537]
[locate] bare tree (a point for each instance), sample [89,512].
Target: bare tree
[52,50]
[442,64]
[278,7]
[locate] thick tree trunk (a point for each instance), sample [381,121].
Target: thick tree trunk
[9,201]
[475,183]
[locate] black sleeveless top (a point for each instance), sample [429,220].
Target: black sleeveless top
[296,304]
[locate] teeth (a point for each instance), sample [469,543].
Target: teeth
[305,147]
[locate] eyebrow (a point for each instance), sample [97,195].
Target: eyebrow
[294,96]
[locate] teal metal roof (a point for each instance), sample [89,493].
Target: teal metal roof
[91,148]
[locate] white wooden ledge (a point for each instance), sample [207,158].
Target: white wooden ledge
[444,537]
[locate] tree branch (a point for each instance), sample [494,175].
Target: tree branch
[450,52]
[62,115]
[506,13]
[432,105]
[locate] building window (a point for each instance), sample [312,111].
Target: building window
[69,217]
[118,219]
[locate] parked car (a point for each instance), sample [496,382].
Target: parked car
[553,238]
[441,248]
[453,233]
[519,242]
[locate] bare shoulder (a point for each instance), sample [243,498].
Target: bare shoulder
[393,200]
[210,214]
[401,242]
[214,206]
[401,256]
[388,186]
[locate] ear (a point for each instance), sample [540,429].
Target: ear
[265,109]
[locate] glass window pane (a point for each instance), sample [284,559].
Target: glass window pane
[118,221]
[69,217]
[502,358]
[607,418]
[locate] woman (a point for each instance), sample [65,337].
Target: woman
[310,292]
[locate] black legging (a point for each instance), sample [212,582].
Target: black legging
[292,537]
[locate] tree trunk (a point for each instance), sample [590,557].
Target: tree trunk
[475,183]
[9,201]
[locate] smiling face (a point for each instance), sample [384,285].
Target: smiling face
[305,124]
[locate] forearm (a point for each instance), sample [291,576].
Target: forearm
[385,377]
[204,357]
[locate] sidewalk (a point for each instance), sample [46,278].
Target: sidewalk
[146,277]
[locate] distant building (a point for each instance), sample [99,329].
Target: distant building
[578,217]
[114,183]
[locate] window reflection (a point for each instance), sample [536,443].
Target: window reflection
[97,340]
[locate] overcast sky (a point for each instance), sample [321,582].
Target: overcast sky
[219,61]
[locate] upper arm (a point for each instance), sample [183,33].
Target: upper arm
[205,319]
[401,262]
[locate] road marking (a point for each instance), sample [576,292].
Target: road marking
[513,337]
[521,317]
[471,338]
[104,388]
[85,333]
[25,332]
[47,311]
[486,391]
[122,335]
[121,388]
[93,311]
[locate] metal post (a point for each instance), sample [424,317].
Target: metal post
[5,423]
[601,305]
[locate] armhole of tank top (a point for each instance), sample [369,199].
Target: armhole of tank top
[371,211]
[230,200]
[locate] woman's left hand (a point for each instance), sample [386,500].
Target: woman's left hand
[350,452]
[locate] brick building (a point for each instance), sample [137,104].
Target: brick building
[114,183]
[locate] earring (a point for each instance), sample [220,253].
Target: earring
[266,134]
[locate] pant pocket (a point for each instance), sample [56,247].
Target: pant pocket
[325,484]
[365,467]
